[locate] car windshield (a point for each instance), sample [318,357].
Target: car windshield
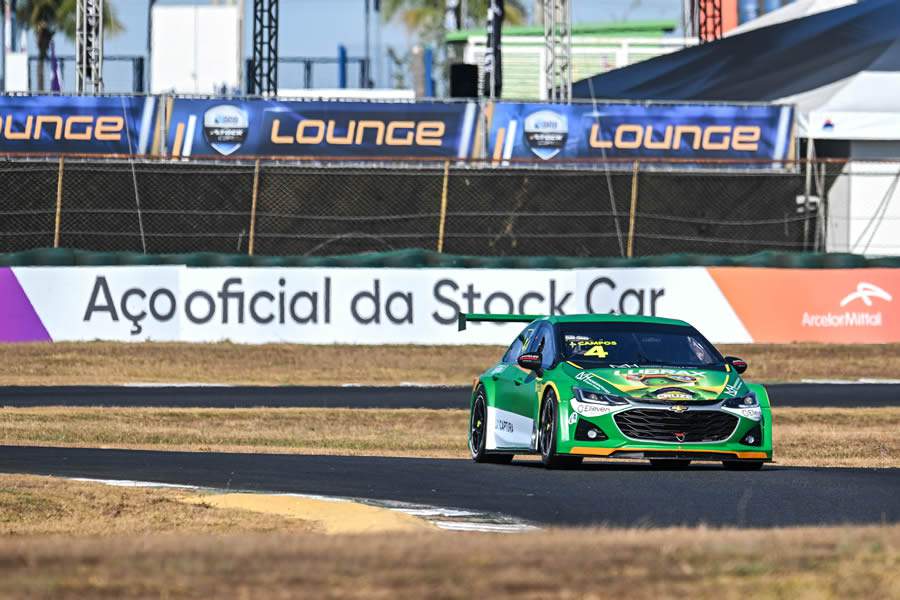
[619,344]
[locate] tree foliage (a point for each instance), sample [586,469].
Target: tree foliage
[425,18]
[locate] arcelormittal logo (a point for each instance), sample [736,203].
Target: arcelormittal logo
[865,292]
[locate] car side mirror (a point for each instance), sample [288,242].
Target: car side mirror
[531,361]
[739,364]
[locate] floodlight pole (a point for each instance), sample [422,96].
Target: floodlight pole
[3,46]
[150,5]
[89,46]
[367,42]
[557,15]
[264,67]
[708,20]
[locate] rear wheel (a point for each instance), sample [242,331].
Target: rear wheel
[670,463]
[742,465]
[478,432]
[547,436]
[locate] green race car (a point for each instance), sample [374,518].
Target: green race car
[616,386]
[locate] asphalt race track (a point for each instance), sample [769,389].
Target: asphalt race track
[787,394]
[598,493]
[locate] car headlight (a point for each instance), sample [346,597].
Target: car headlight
[744,406]
[748,401]
[592,397]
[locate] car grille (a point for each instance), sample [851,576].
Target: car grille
[668,426]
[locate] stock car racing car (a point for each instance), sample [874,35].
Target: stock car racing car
[616,386]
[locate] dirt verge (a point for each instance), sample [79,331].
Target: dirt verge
[99,363]
[858,437]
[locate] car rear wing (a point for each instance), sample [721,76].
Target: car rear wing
[478,318]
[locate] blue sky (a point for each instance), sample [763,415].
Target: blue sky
[316,27]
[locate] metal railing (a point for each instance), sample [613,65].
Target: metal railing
[120,67]
[307,67]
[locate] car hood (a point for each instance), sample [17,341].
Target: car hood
[681,384]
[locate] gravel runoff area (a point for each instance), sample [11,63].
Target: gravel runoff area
[100,363]
[833,437]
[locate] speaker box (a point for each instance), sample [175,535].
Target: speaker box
[463,81]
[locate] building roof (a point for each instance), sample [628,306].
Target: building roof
[764,64]
[623,29]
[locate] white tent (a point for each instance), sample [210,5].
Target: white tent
[789,12]
[838,61]
[863,110]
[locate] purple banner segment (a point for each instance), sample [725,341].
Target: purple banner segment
[18,320]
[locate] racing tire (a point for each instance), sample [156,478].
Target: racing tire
[742,465]
[478,432]
[670,463]
[549,423]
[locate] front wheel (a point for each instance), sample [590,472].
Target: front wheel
[742,465]
[478,432]
[547,436]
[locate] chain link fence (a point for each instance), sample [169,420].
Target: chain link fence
[273,208]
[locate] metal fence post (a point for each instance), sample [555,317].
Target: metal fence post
[443,221]
[631,216]
[59,189]
[253,209]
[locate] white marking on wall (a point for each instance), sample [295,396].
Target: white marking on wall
[189,135]
[465,139]
[510,141]
[146,124]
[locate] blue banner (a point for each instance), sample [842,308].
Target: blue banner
[640,131]
[104,125]
[366,130]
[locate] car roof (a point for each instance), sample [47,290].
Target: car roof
[608,318]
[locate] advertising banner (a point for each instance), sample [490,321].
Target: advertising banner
[77,124]
[640,131]
[420,306]
[379,130]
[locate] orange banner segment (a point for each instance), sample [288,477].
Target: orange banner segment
[816,305]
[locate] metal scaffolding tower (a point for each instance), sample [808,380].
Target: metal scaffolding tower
[558,49]
[708,20]
[264,67]
[89,46]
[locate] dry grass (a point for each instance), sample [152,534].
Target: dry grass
[32,505]
[859,437]
[802,564]
[837,437]
[306,430]
[98,363]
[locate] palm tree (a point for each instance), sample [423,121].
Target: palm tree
[46,18]
[426,17]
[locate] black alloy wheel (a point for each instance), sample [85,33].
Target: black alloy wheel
[478,432]
[547,436]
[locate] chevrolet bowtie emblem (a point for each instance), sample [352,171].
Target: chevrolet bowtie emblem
[679,408]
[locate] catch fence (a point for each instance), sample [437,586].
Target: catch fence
[283,208]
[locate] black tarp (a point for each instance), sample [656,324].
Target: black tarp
[764,64]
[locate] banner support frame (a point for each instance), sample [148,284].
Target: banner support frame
[634,196]
[59,189]
[443,220]
[253,209]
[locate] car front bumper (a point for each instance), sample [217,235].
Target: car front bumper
[729,445]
